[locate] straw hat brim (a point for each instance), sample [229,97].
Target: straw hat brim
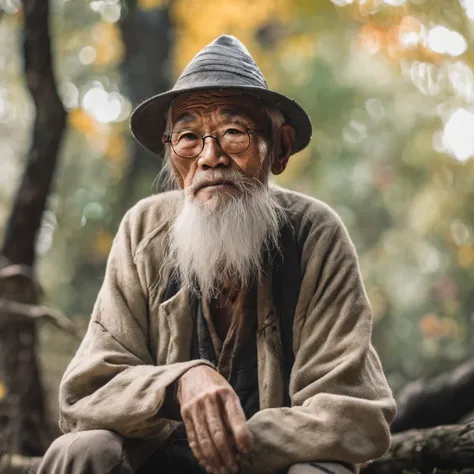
[147,122]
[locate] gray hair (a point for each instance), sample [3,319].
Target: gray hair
[166,180]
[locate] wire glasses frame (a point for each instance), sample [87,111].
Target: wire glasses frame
[229,143]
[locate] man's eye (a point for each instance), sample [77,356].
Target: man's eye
[234,131]
[188,137]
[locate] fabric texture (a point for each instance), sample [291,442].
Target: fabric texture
[105,452]
[138,343]
[319,468]
[91,452]
[236,357]
[224,64]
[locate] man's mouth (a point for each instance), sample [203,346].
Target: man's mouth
[217,183]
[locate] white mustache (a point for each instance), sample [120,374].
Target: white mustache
[232,177]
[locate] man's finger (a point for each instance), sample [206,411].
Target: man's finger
[192,439]
[237,423]
[221,438]
[212,460]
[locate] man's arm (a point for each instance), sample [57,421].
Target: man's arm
[341,403]
[112,382]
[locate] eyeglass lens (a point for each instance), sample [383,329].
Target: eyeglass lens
[191,144]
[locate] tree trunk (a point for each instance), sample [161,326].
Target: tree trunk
[148,38]
[447,448]
[22,415]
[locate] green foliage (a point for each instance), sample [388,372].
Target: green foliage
[391,149]
[377,156]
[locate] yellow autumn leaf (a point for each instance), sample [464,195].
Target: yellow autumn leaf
[151,4]
[430,326]
[107,43]
[466,256]
[83,122]
[3,391]
[116,149]
[302,44]
[103,243]
[227,18]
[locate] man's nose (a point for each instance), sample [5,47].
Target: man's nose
[212,155]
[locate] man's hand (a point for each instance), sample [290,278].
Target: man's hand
[214,419]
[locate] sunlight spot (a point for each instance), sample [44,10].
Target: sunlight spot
[93,98]
[468,6]
[395,3]
[342,3]
[458,134]
[69,95]
[87,55]
[444,41]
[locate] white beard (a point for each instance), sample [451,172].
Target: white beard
[223,241]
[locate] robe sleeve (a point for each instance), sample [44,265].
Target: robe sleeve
[341,402]
[112,382]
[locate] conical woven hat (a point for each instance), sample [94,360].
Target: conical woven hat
[224,64]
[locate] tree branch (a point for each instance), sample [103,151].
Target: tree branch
[19,272]
[11,271]
[11,311]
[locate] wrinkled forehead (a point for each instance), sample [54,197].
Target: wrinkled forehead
[226,105]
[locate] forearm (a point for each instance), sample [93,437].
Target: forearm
[171,407]
[129,403]
[328,428]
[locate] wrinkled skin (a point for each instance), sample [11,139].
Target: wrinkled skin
[211,410]
[204,113]
[214,419]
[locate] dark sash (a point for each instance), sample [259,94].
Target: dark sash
[286,288]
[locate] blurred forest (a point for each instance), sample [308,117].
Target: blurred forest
[389,85]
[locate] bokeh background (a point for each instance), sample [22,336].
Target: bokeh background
[389,85]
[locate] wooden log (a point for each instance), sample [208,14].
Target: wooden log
[445,448]
[443,400]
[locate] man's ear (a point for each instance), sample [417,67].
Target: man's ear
[286,138]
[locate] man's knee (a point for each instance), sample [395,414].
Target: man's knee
[318,468]
[84,451]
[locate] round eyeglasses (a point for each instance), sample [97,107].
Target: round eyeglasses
[189,144]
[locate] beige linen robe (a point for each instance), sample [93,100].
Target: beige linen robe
[137,345]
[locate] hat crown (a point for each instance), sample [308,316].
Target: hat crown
[224,62]
[231,42]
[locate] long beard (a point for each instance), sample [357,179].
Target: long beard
[224,242]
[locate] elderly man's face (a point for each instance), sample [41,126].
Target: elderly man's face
[216,113]
[228,215]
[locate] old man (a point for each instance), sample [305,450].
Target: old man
[232,332]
